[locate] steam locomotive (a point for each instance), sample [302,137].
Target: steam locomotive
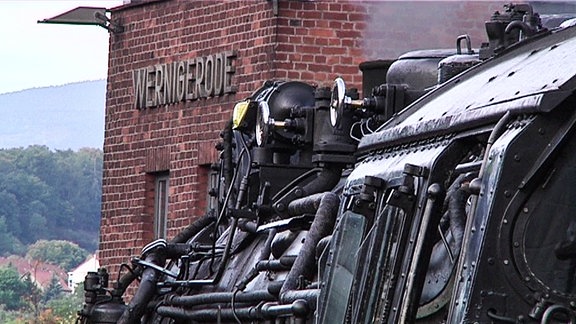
[444,197]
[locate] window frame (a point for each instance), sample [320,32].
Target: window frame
[161,200]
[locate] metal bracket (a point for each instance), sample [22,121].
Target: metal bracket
[154,266]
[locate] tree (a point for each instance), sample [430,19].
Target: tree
[48,195]
[54,289]
[65,254]
[64,308]
[13,290]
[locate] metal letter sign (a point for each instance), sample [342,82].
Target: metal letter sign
[169,83]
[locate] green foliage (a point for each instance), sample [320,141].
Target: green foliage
[15,293]
[47,195]
[60,309]
[65,254]
[64,308]
[53,291]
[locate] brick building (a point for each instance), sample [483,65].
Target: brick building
[179,66]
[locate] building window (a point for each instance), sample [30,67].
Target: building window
[213,187]
[209,178]
[160,205]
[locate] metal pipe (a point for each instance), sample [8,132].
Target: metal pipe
[298,308]
[322,226]
[282,242]
[145,292]
[233,225]
[219,297]
[496,132]
[306,205]
[264,256]
[193,229]
[184,236]
[326,180]
[271,265]
[410,297]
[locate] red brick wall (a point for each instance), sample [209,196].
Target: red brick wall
[299,44]
[313,41]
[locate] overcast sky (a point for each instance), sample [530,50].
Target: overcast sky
[38,55]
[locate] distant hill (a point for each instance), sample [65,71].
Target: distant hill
[63,117]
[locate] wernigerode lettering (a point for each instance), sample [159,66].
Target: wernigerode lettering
[192,79]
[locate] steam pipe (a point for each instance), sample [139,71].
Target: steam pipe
[326,180]
[282,242]
[322,226]
[233,225]
[219,297]
[150,277]
[145,292]
[227,163]
[306,205]
[457,214]
[309,295]
[499,128]
[182,237]
[298,308]
[272,265]
[264,256]
[193,229]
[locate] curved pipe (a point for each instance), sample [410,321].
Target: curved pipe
[182,237]
[193,229]
[457,213]
[322,226]
[306,205]
[517,24]
[326,180]
[548,315]
[498,129]
[146,291]
[282,242]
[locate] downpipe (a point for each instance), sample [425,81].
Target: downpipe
[322,226]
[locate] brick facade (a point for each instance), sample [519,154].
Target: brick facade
[312,41]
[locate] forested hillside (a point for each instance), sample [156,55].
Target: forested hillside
[47,194]
[62,117]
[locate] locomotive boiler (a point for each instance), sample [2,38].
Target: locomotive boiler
[446,195]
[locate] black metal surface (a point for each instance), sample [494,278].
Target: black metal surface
[457,209]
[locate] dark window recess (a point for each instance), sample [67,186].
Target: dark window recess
[160,205]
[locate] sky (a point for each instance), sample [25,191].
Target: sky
[38,55]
